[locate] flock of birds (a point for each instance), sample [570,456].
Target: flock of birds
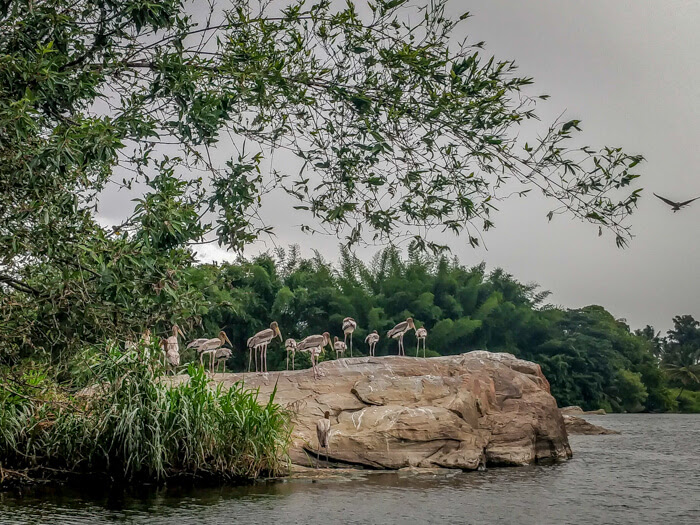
[214,350]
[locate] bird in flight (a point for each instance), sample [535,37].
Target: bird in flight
[676,206]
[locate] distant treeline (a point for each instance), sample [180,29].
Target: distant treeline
[590,358]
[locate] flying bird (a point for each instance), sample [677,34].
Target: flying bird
[323,433]
[399,331]
[372,340]
[676,206]
[421,335]
[259,342]
[339,347]
[349,325]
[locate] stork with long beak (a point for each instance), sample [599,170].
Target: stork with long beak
[259,342]
[421,335]
[400,330]
[210,347]
[314,344]
[339,347]
[172,348]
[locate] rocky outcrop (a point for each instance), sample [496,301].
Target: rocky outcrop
[571,411]
[393,412]
[578,425]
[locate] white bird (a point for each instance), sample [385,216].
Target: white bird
[339,347]
[259,342]
[291,346]
[399,331]
[323,433]
[172,348]
[314,344]
[349,325]
[421,335]
[372,340]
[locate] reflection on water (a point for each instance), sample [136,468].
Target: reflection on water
[648,474]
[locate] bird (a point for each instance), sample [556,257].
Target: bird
[220,355]
[399,331]
[675,206]
[314,344]
[291,346]
[172,348]
[339,347]
[421,335]
[259,342]
[210,347]
[372,340]
[349,325]
[323,433]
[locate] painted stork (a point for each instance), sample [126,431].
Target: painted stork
[421,335]
[216,356]
[259,342]
[323,433]
[314,344]
[349,325]
[172,348]
[399,331]
[372,340]
[291,346]
[210,347]
[339,347]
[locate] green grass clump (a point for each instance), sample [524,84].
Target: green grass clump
[134,426]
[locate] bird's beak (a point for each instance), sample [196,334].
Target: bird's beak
[227,339]
[279,333]
[180,331]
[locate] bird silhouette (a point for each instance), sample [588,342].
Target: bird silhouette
[675,206]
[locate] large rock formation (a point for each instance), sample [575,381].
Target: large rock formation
[578,425]
[393,412]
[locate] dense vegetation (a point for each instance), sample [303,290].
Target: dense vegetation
[590,358]
[132,426]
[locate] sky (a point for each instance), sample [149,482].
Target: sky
[629,71]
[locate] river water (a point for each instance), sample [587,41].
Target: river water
[648,474]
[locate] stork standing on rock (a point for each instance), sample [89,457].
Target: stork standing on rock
[421,335]
[314,344]
[349,326]
[323,433]
[259,342]
[210,347]
[339,347]
[291,346]
[372,340]
[172,348]
[399,331]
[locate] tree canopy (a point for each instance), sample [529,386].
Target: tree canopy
[397,129]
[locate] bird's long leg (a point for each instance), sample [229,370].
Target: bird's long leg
[417,346]
[318,452]
[250,358]
[287,358]
[350,344]
[293,359]
[423,348]
[256,358]
[265,354]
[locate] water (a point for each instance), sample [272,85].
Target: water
[648,474]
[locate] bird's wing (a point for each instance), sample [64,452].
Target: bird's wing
[669,202]
[348,323]
[688,202]
[197,342]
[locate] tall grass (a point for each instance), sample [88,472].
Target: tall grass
[133,426]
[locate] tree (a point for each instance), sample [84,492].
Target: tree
[396,130]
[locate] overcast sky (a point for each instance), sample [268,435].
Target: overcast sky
[630,71]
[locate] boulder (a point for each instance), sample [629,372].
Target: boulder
[461,412]
[578,425]
[571,411]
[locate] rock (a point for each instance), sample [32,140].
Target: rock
[572,410]
[578,425]
[599,412]
[459,412]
